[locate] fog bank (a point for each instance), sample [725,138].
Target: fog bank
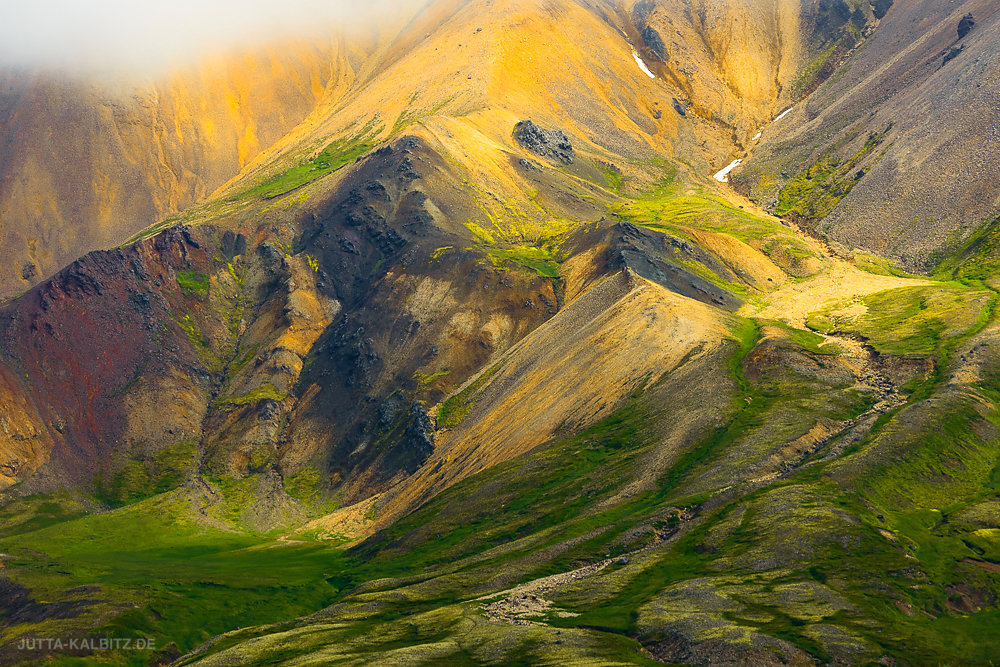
[145,36]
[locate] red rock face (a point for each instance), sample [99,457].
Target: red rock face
[83,337]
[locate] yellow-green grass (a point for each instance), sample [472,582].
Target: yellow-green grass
[816,192]
[910,321]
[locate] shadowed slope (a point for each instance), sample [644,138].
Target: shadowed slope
[896,153]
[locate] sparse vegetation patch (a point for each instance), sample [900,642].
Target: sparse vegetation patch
[193,282]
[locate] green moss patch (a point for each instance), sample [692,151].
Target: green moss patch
[671,211]
[304,485]
[141,478]
[816,192]
[335,156]
[807,340]
[455,408]
[534,258]
[267,391]
[911,321]
[24,515]
[978,258]
[200,343]
[193,282]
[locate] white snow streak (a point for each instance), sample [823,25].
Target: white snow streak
[642,65]
[723,176]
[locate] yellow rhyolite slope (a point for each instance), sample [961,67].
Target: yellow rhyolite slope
[459,76]
[471,70]
[86,164]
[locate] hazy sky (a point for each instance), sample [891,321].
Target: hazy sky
[148,34]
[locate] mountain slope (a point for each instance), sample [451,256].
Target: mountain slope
[87,164]
[894,153]
[463,182]
[478,363]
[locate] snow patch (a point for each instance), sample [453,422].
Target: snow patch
[642,65]
[783,114]
[723,176]
[758,135]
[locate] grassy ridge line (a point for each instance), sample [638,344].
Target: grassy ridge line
[301,172]
[667,210]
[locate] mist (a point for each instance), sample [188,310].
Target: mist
[141,36]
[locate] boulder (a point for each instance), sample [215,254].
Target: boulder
[547,143]
[651,38]
[880,8]
[952,54]
[966,25]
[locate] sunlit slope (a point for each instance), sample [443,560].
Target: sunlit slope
[466,185]
[617,338]
[731,505]
[572,66]
[462,75]
[25,443]
[86,164]
[417,386]
[272,315]
[413,224]
[750,75]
